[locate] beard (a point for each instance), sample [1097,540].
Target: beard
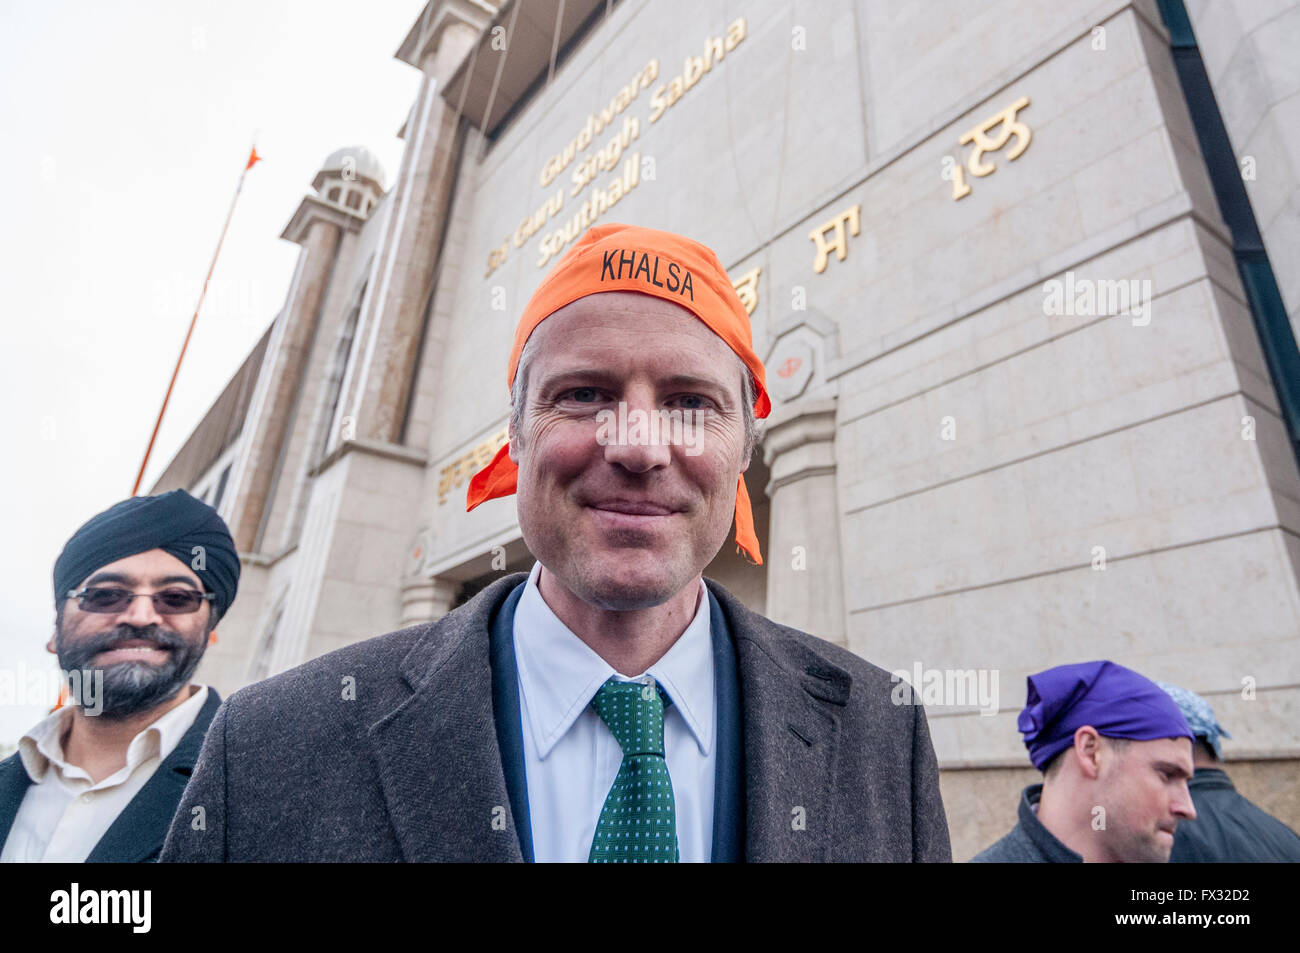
[1132,845]
[1148,849]
[133,687]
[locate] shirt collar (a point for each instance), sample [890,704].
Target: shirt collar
[1206,778]
[559,674]
[42,747]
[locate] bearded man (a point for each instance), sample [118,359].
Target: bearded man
[138,592]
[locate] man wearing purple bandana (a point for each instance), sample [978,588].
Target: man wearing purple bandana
[1116,755]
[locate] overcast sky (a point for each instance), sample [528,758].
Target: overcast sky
[125,127]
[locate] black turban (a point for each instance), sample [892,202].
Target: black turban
[174,522]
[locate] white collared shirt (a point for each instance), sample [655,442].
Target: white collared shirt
[64,813]
[571,758]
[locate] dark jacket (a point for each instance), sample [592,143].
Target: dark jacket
[138,832]
[1029,841]
[412,767]
[1228,827]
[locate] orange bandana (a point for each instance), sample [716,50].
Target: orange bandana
[627,258]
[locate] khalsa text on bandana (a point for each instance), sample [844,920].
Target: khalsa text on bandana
[620,263]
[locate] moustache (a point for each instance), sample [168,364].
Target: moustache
[113,638]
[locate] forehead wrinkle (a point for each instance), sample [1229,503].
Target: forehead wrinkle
[628,360]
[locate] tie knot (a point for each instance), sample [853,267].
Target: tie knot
[634,713]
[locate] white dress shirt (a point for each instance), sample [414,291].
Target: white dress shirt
[571,758]
[64,813]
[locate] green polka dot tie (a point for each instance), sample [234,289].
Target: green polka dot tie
[638,824]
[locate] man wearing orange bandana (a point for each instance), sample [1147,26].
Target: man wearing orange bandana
[611,705]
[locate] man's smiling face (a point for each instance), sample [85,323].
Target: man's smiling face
[146,656]
[627,525]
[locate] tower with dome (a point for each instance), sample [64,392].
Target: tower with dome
[351,177]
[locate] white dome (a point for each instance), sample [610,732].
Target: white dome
[363,162]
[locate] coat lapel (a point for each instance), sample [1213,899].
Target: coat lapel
[791,702]
[139,830]
[437,752]
[509,722]
[14,781]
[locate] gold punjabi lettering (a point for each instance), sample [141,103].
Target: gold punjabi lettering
[747,288]
[1007,125]
[444,484]
[466,465]
[852,217]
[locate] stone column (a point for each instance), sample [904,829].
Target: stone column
[270,414]
[393,317]
[425,600]
[804,575]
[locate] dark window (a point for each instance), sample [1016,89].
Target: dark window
[1258,279]
[337,371]
[260,667]
[221,487]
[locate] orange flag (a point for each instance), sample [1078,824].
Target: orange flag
[252,158]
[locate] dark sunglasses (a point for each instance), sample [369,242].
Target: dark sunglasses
[166,602]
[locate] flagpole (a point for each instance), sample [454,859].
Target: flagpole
[139,478]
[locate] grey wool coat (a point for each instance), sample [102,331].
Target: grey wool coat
[410,769]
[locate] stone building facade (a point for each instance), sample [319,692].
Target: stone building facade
[1024,413]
